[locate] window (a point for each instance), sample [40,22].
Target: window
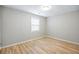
[35,23]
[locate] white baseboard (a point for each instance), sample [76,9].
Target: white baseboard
[23,41]
[57,38]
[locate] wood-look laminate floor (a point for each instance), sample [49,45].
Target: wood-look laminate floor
[42,46]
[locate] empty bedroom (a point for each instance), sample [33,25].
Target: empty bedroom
[39,29]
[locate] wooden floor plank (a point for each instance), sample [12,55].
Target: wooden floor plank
[42,46]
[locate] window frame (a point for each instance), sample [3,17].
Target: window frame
[35,22]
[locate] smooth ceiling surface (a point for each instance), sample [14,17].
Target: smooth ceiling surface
[55,10]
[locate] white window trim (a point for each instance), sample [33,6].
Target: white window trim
[37,24]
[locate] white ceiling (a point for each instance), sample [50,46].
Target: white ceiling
[55,10]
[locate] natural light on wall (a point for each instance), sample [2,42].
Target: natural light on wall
[35,23]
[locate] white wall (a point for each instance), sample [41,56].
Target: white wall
[65,26]
[17,26]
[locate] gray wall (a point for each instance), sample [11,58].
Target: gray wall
[65,26]
[17,26]
[0,26]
